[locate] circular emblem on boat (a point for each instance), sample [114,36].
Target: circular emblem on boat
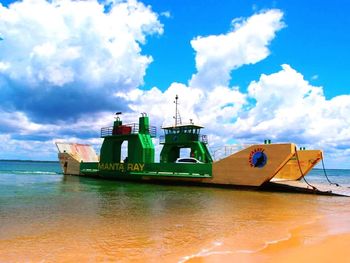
[257,158]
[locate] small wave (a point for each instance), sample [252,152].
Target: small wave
[28,172]
[265,245]
[288,236]
[206,252]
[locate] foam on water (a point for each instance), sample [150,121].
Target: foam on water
[206,252]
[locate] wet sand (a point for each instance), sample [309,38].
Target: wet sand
[320,241]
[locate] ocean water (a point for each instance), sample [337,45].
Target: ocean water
[48,217]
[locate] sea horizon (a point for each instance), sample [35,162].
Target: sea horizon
[53,161]
[28,160]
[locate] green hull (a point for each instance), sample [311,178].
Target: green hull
[137,171]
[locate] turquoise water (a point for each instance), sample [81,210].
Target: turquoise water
[46,216]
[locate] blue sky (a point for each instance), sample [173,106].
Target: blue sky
[315,41]
[247,70]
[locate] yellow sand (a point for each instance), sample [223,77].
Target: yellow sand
[309,243]
[182,225]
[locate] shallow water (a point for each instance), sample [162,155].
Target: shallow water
[46,216]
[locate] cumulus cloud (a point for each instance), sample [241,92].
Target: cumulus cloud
[247,43]
[282,106]
[55,54]
[208,99]
[215,110]
[288,108]
[82,58]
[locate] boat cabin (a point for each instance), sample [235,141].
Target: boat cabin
[184,136]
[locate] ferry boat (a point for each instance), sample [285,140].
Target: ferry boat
[253,166]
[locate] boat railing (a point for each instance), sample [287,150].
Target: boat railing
[202,137]
[132,128]
[221,152]
[106,131]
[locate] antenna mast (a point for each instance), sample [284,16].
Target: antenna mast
[177,116]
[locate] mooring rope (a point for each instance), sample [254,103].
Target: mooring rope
[325,173]
[301,172]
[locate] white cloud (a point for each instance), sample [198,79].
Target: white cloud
[166,14]
[76,40]
[208,99]
[4,66]
[100,53]
[55,49]
[61,60]
[218,55]
[285,107]
[159,105]
[288,108]
[13,149]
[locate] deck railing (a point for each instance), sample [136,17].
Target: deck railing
[202,137]
[108,131]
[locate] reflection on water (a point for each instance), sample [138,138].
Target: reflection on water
[68,218]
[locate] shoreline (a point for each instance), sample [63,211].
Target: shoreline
[333,248]
[324,240]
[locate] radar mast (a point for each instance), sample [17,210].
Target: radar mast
[177,116]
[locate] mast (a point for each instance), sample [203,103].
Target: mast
[177,116]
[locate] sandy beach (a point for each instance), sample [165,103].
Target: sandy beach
[325,240]
[48,217]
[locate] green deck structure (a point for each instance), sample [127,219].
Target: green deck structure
[139,138]
[140,161]
[257,165]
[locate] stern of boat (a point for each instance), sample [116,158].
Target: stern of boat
[71,155]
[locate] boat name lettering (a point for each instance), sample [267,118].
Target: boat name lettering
[123,167]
